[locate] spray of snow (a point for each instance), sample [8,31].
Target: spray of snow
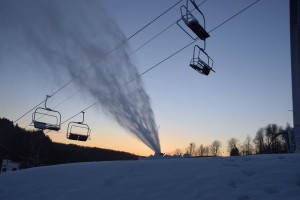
[75,37]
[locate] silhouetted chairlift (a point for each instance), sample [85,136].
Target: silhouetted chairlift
[73,130]
[198,64]
[51,115]
[188,18]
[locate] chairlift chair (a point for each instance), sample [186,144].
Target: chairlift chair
[199,64]
[73,130]
[189,19]
[50,114]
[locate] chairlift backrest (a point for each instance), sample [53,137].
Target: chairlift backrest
[83,137]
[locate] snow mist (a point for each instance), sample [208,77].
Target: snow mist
[78,37]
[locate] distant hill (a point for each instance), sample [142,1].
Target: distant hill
[33,148]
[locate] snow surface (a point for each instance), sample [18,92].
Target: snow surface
[235,178]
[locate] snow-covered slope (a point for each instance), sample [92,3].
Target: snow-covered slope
[241,178]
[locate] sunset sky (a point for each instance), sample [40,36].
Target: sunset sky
[250,89]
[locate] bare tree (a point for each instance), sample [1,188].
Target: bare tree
[232,147]
[201,150]
[287,143]
[191,149]
[178,152]
[259,141]
[247,148]
[215,148]
[272,139]
[232,144]
[271,131]
[207,151]
[274,143]
[288,127]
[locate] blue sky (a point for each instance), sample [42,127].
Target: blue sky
[251,86]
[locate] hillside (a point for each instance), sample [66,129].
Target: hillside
[265,177]
[33,148]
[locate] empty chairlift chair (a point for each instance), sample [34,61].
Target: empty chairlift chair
[78,130]
[198,63]
[46,118]
[189,19]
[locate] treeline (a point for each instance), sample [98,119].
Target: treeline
[32,148]
[272,139]
[269,139]
[192,150]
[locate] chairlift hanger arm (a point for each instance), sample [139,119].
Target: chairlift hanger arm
[196,6]
[47,97]
[82,118]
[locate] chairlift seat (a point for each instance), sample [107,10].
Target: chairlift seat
[203,64]
[73,136]
[197,29]
[195,67]
[204,69]
[40,125]
[82,137]
[53,127]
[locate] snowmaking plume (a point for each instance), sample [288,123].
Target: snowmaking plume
[76,36]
